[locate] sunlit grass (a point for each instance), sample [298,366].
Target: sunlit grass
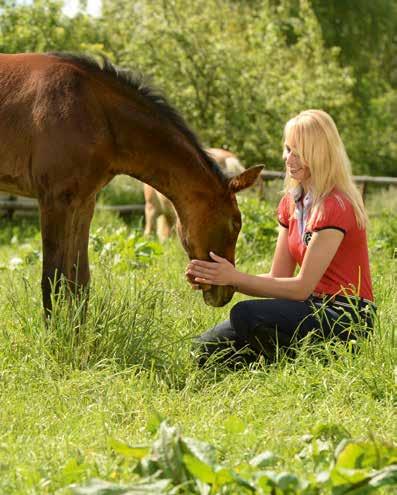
[65,389]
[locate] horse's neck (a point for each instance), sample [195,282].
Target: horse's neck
[182,179]
[167,163]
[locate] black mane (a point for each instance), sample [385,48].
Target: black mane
[138,82]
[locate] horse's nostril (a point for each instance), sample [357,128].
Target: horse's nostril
[218,296]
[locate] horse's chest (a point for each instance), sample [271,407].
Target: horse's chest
[15,177]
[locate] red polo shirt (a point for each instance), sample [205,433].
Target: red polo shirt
[348,273]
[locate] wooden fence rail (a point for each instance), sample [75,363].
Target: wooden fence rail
[27,205]
[361,180]
[14,203]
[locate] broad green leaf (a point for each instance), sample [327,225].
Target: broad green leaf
[263,460]
[167,454]
[266,480]
[127,451]
[99,487]
[248,484]
[146,467]
[158,487]
[359,455]
[343,476]
[323,477]
[353,456]
[223,476]
[348,489]
[199,469]
[202,450]
[288,482]
[386,476]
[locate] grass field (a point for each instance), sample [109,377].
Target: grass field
[66,397]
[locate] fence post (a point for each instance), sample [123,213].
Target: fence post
[362,187]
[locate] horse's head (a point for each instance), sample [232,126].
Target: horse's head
[212,224]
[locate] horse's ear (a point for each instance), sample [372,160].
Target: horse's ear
[246,179]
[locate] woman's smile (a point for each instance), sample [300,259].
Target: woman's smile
[294,170]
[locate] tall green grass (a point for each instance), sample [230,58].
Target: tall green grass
[66,389]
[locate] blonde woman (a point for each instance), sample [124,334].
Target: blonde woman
[323,232]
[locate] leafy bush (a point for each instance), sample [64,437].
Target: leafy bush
[177,464]
[259,231]
[18,230]
[383,233]
[123,250]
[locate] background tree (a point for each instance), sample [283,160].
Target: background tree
[366,33]
[229,68]
[41,26]
[238,69]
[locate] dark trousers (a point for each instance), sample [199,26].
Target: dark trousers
[264,326]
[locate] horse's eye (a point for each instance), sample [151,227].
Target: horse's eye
[236,224]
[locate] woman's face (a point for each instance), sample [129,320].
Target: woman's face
[294,165]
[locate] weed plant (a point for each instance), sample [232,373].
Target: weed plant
[66,390]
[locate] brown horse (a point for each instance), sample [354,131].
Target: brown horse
[68,125]
[160,216]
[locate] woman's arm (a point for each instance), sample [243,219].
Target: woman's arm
[283,264]
[322,248]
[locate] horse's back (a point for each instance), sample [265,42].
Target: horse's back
[40,88]
[227,161]
[17,100]
[220,155]
[46,114]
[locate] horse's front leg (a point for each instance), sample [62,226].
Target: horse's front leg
[150,218]
[65,233]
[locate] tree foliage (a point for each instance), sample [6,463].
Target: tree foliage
[233,72]
[41,26]
[239,69]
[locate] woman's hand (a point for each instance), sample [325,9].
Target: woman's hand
[190,279]
[218,272]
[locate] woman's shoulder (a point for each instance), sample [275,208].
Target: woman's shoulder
[283,211]
[336,212]
[337,200]
[286,201]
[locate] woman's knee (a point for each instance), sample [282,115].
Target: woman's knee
[242,317]
[221,343]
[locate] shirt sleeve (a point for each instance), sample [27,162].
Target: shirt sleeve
[337,213]
[283,211]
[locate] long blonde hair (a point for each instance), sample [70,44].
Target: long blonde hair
[317,142]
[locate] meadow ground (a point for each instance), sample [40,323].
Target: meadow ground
[64,395]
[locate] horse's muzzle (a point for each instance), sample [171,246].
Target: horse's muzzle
[218,295]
